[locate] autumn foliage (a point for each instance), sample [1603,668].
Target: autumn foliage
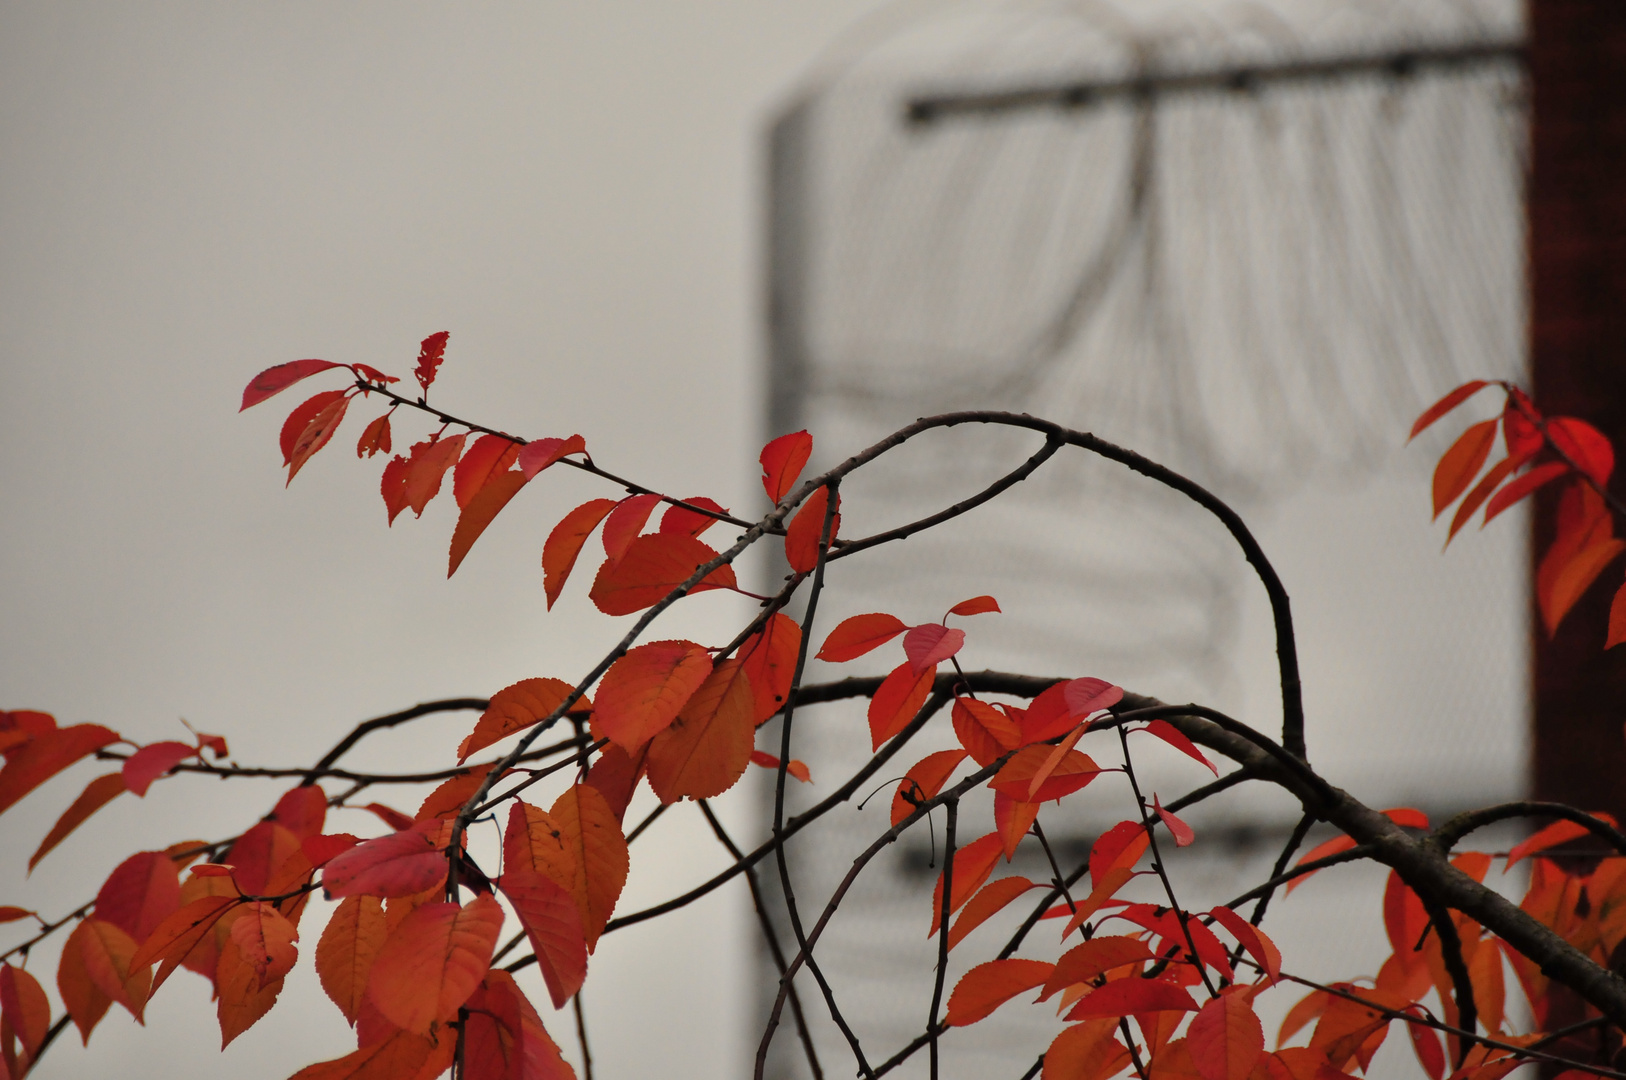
[428,954]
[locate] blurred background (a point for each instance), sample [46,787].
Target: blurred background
[1250,239]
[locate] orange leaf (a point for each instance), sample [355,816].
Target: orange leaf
[97,794]
[481,510]
[266,941]
[643,691]
[1097,956]
[505,1038]
[1086,1051]
[1177,739]
[1557,833]
[432,962]
[707,747]
[807,527]
[625,522]
[400,864]
[375,438]
[984,731]
[399,1057]
[988,902]
[534,843]
[1073,771]
[1013,819]
[1574,579]
[1226,1038]
[795,768]
[1048,716]
[517,707]
[453,794]
[538,454]
[923,781]
[1120,846]
[490,456]
[782,462]
[858,635]
[106,951]
[140,893]
[680,519]
[274,380]
[174,939]
[591,833]
[1480,493]
[972,865]
[1320,851]
[977,605]
[48,753]
[12,914]
[1346,1026]
[1252,939]
[24,1005]
[988,986]
[1309,1007]
[652,567]
[83,999]
[1052,761]
[565,542]
[1183,836]
[553,924]
[770,663]
[1461,463]
[615,773]
[897,700]
[430,355]
[427,468]
[152,761]
[1133,995]
[392,486]
[1524,485]
[316,432]
[1445,405]
[243,999]
[1617,619]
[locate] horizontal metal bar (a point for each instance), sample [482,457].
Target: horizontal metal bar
[1083,93]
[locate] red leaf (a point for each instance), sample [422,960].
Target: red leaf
[47,753]
[402,1054]
[274,380]
[517,707]
[1445,405]
[1226,1038]
[105,952]
[795,768]
[807,527]
[1572,582]
[988,986]
[1132,995]
[81,997]
[26,1010]
[642,691]
[427,468]
[1086,696]
[1617,619]
[565,543]
[1461,463]
[505,1038]
[1524,485]
[680,519]
[988,902]
[1557,833]
[897,700]
[1522,437]
[1016,779]
[452,794]
[553,924]
[1320,851]
[1404,919]
[140,893]
[301,810]
[323,849]
[706,749]
[538,454]
[1048,716]
[173,940]
[392,485]
[770,663]
[1430,1052]
[389,816]
[1252,939]
[1097,956]
[985,732]
[258,852]
[432,961]
[616,774]
[400,864]
[1086,1052]
[977,605]
[152,761]
[858,635]
[1585,445]
[375,438]
[651,569]
[625,522]
[1175,738]
[1183,836]
[930,644]
[98,793]
[480,511]
[490,456]
[973,863]
[782,462]
[1120,846]
[371,374]
[1480,493]
[923,781]
[315,432]
[12,914]
[1013,818]
[430,355]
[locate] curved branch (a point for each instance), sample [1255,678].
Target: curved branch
[379,723]
[1450,833]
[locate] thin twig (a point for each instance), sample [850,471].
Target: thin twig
[952,809]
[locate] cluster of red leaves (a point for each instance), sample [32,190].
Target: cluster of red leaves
[1539,450]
